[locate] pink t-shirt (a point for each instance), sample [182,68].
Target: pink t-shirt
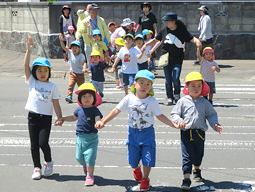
[119,32]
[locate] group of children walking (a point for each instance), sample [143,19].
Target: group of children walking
[130,65]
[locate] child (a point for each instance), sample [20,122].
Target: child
[119,43]
[111,27]
[191,112]
[97,69]
[98,44]
[86,134]
[143,62]
[148,34]
[129,56]
[207,69]
[70,36]
[78,66]
[141,107]
[43,97]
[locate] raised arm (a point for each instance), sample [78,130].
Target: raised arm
[30,44]
[88,30]
[197,42]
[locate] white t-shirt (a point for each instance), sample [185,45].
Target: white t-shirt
[140,111]
[71,39]
[144,58]
[129,60]
[41,95]
[76,62]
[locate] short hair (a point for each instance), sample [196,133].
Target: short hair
[87,91]
[34,72]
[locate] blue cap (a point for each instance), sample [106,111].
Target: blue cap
[96,32]
[145,31]
[145,74]
[42,61]
[139,36]
[128,35]
[76,43]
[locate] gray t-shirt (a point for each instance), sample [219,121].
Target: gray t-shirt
[76,62]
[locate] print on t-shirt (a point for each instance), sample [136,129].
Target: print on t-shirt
[139,116]
[126,58]
[172,39]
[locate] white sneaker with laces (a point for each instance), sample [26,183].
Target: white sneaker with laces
[48,168]
[37,174]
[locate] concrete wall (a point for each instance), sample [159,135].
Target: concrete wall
[233,24]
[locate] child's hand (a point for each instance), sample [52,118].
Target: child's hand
[218,128]
[99,125]
[61,37]
[143,48]
[30,43]
[181,125]
[84,70]
[88,23]
[213,68]
[58,123]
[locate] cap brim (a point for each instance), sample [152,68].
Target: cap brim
[98,98]
[205,89]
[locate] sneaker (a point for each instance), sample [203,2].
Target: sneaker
[48,168]
[37,174]
[186,184]
[138,175]
[197,175]
[196,63]
[89,180]
[85,169]
[117,86]
[121,85]
[145,184]
[169,101]
[69,99]
[101,94]
[176,98]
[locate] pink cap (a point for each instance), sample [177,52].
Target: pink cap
[70,27]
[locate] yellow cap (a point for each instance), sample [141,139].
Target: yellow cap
[94,53]
[193,76]
[119,41]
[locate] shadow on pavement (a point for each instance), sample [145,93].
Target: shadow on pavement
[227,106]
[226,66]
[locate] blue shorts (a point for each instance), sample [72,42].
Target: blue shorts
[86,149]
[211,86]
[141,146]
[128,79]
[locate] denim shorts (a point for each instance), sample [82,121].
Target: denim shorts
[211,86]
[128,79]
[86,149]
[141,146]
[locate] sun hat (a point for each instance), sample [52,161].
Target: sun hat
[126,22]
[171,16]
[93,6]
[146,4]
[208,50]
[96,32]
[144,74]
[96,53]
[147,31]
[111,23]
[139,36]
[41,61]
[194,76]
[119,41]
[128,35]
[203,8]
[70,27]
[65,7]
[76,43]
[89,87]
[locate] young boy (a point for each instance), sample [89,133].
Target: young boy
[141,107]
[143,62]
[77,66]
[191,112]
[129,56]
[97,69]
[207,68]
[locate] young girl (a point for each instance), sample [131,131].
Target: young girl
[141,107]
[119,43]
[143,62]
[70,37]
[191,112]
[207,68]
[43,97]
[86,134]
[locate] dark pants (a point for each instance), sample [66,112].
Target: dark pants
[39,131]
[172,75]
[142,66]
[192,144]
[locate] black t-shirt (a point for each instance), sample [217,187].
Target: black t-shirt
[147,21]
[173,42]
[115,52]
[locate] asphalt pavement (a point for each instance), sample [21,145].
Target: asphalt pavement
[228,164]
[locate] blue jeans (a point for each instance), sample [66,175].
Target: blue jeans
[99,86]
[172,75]
[128,79]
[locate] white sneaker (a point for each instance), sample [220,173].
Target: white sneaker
[48,168]
[37,174]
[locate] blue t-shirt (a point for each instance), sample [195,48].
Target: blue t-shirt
[97,71]
[86,119]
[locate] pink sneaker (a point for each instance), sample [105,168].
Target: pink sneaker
[120,85]
[89,180]
[85,169]
[117,86]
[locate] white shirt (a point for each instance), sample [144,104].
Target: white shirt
[41,95]
[140,111]
[129,60]
[144,58]
[76,62]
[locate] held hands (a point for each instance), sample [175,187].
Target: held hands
[181,125]
[30,43]
[99,125]
[59,122]
[218,128]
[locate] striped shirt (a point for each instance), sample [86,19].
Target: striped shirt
[206,70]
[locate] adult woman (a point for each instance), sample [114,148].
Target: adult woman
[205,28]
[173,37]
